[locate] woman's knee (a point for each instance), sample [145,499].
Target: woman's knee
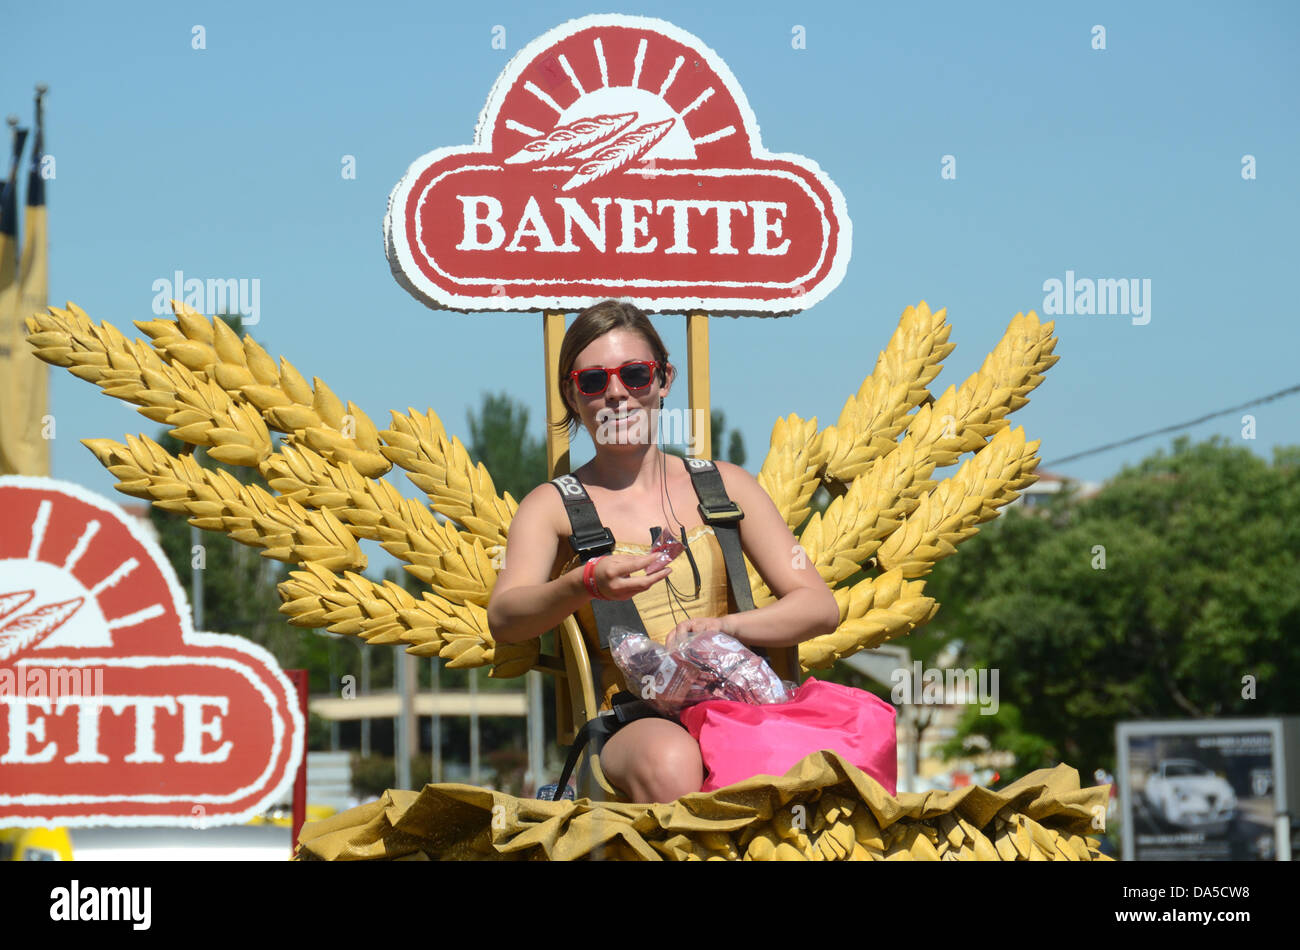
[673,757]
[659,764]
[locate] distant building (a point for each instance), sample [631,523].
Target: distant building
[1050,484]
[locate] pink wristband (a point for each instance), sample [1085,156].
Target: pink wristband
[589,578]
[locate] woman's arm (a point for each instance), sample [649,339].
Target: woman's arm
[525,602]
[805,607]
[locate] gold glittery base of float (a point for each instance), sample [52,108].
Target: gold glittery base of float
[824,809]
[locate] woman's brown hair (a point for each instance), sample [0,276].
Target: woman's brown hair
[591,325]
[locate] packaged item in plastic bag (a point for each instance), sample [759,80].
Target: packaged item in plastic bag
[653,674]
[737,672]
[693,667]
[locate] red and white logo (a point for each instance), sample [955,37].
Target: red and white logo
[617,156]
[112,710]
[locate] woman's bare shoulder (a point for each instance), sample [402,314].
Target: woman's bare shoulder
[535,534]
[739,483]
[543,504]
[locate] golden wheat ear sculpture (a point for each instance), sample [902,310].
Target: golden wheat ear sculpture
[888,515]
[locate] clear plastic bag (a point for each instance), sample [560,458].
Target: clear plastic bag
[650,670]
[693,667]
[737,673]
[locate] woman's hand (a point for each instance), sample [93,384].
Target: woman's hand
[704,625]
[616,574]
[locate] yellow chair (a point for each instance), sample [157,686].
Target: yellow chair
[575,704]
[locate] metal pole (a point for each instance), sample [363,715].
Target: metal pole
[912,761]
[411,686]
[536,748]
[299,678]
[473,726]
[365,691]
[402,743]
[437,720]
[196,578]
[334,691]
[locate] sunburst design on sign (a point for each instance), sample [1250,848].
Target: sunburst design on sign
[592,91]
[36,625]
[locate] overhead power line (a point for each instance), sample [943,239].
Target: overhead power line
[1174,428]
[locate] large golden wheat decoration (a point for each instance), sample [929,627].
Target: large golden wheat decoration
[888,516]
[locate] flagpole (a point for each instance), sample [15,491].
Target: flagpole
[18,371]
[31,411]
[9,207]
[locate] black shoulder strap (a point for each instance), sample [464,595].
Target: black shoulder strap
[591,539]
[717,509]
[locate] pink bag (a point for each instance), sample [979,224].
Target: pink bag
[740,740]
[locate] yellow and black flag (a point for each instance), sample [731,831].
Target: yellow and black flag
[9,213]
[24,380]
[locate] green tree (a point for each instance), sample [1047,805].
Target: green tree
[499,438]
[735,442]
[1155,599]
[718,436]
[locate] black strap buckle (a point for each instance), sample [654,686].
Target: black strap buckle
[593,544]
[728,515]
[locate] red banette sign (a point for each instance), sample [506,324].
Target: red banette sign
[112,710]
[617,156]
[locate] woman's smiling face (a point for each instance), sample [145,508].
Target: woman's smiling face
[618,416]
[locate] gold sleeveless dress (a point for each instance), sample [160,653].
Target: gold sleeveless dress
[661,608]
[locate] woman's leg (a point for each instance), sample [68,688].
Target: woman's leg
[653,760]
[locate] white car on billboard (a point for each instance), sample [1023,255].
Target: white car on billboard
[1187,794]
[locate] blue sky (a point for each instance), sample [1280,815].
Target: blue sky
[1116,163]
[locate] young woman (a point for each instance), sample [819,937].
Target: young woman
[614,372]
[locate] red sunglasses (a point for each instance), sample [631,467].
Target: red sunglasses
[636,375]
